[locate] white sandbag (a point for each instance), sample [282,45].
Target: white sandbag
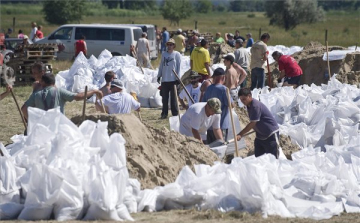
[175,123]
[100,137]
[10,210]
[156,100]
[123,213]
[144,102]
[95,212]
[147,200]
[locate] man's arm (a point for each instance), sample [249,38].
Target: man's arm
[282,75]
[241,72]
[148,48]
[207,66]
[247,128]
[6,93]
[226,38]
[196,134]
[183,104]
[218,134]
[24,111]
[90,93]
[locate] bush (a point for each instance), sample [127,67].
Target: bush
[222,23]
[252,15]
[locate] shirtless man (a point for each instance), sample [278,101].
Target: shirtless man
[234,76]
[109,76]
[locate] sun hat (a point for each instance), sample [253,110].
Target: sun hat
[171,40]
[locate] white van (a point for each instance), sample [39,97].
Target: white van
[115,38]
[151,36]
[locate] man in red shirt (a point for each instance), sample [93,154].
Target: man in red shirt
[289,69]
[80,46]
[39,34]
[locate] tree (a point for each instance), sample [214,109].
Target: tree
[176,10]
[139,4]
[203,6]
[290,13]
[246,6]
[64,11]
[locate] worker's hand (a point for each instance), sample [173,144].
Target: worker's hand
[8,88]
[99,94]
[279,80]
[177,82]
[238,137]
[159,80]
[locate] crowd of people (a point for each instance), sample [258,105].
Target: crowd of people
[35,33]
[208,98]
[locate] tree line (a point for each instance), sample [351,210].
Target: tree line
[284,13]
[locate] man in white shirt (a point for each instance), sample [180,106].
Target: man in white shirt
[200,117]
[143,51]
[33,31]
[194,90]
[119,102]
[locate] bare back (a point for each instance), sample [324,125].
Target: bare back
[231,78]
[105,90]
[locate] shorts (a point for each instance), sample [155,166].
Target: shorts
[203,77]
[234,94]
[293,80]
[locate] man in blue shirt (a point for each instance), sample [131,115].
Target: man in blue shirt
[250,40]
[218,90]
[263,122]
[165,38]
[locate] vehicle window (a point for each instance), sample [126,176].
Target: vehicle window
[62,34]
[100,34]
[11,44]
[151,33]
[137,34]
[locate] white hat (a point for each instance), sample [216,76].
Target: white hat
[179,30]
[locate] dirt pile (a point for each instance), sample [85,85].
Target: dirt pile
[154,157]
[218,50]
[315,69]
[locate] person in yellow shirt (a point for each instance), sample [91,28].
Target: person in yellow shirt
[200,60]
[179,42]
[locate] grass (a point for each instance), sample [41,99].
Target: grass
[343,26]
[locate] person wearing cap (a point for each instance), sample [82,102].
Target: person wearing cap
[179,42]
[200,60]
[142,50]
[218,90]
[237,36]
[218,38]
[38,69]
[194,90]
[263,122]
[119,101]
[9,31]
[250,40]
[289,69]
[242,57]
[109,77]
[259,56]
[164,38]
[200,117]
[229,39]
[234,75]
[51,97]
[170,60]
[33,31]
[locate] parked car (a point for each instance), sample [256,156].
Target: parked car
[115,38]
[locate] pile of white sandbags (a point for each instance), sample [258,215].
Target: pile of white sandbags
[66,171]
[90,72]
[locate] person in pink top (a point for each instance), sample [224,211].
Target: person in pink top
[289,69]
[20,35]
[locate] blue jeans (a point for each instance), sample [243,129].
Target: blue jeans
[257,78]
[268,145]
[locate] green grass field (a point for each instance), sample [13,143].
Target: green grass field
[343,26]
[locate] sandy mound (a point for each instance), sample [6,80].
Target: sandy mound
[285,141]
[315,69]
[217,51]
[154,157]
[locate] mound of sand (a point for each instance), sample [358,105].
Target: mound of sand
[154,157]
[315,70]
[217,51]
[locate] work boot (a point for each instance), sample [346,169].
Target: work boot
[163,116]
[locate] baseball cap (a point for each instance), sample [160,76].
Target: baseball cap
[10,30]
[229,57]
[239,41]
[199,39]
[218,72]
[215,105]
[117,83]
[171,40]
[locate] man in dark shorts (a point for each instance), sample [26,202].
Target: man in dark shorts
[289,69]
[264,124]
